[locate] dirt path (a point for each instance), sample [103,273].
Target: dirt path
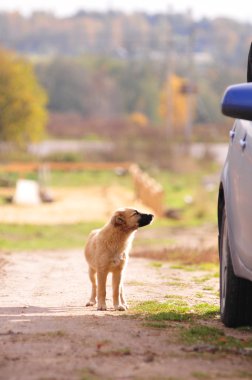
[46,333]
[71,205]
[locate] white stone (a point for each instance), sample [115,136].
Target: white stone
[27,192]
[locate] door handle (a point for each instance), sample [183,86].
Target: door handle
[243,143]
[232,134]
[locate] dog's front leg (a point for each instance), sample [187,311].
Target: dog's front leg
[92,276]
[116,282]
[101,279]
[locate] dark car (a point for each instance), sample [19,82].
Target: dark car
[235,208]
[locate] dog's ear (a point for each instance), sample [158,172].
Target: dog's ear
[118,220]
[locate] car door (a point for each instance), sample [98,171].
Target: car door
[239,199]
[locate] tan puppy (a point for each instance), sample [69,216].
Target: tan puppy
[107,250]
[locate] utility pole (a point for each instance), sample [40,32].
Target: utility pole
[191,89]
[170,71]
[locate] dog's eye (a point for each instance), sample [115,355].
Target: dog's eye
[135,213]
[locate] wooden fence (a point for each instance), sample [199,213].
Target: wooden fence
[148,190]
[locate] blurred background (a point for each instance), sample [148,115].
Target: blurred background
[113,105]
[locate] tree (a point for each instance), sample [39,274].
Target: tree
[22,101]
[174,102]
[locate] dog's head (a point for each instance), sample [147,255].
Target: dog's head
[129,219]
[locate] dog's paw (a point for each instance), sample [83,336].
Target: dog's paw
[90,303]
[120,307]
[101,307]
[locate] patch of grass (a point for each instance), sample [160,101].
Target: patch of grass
[244,374]
[156,264]
[210,267]
[174,297]
[200,334]
[47,335]
[80,178]
[201,375]
[177,187]
[208,287]
[173,310]
[201,279]
[199,295]
[188,268]
[156,324]
[28,237]
[176,283]
[135,283]
[206,310]
[58,333]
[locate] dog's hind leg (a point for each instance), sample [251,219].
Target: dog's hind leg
[102,278]
[116,282]
[92,276]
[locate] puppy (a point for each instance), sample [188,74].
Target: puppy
[107,250]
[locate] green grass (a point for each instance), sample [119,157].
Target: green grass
[201,334]
[175,309]
[210,267]
[174,297]
[202,279]
[155,324]
[88,178]
[199,295]
[206,310]
[75,178]
[178,185]
[172,310]
[41,237]
[156,264]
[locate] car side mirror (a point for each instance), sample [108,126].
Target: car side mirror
[237,101]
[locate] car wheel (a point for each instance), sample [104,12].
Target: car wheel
[235,292]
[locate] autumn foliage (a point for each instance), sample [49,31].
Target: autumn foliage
[22,101]
[175,102]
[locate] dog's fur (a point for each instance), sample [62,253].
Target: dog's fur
[107,250]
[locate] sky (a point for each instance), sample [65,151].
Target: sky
[237,9]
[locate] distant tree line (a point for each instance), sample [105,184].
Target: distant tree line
[113,65]
[125,36]
[97,87]
[100,87]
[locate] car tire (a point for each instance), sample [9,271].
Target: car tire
[235,292]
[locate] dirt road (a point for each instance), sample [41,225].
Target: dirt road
[46,332]
[72,205]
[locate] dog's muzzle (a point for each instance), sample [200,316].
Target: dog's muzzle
[145,219]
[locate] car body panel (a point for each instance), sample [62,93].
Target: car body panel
[236,180]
